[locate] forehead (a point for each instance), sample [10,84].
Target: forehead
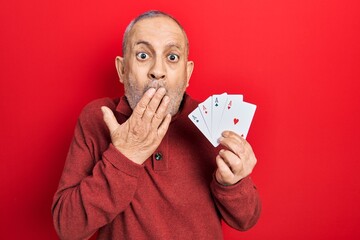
[157,31]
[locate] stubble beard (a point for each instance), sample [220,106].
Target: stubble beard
[134,93]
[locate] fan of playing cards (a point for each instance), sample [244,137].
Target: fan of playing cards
[223,112]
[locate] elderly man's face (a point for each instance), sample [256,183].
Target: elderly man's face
[156,56]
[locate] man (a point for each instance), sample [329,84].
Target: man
[138,168]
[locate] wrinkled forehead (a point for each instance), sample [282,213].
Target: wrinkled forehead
[158,32]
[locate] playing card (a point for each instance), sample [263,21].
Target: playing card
[217,107]
[222,112]
[196,117]
[205,109]
[230,100]
[237,118]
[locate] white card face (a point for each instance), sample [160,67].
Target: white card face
[238,118]
[196,117]
[217,105]
[231,99]
[205,109]
[223,112]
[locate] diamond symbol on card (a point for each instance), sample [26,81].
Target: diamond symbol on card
[229,105]
[205,110]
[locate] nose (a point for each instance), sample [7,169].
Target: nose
[157,71]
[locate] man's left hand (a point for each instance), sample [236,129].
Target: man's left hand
[236,161]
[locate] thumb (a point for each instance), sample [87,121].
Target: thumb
[109,119]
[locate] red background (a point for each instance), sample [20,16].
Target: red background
[299,61]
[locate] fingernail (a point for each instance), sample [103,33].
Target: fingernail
[225,133]
[162,90]
[166,99]
[151,91]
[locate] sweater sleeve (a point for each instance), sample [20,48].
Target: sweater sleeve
[92,190]
[239,204]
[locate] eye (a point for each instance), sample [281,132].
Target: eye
[173,57]
[142,56]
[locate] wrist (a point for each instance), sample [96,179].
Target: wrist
[219,179]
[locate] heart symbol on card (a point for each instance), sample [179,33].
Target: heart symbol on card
[236,120]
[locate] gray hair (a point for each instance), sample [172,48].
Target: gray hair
[145,15]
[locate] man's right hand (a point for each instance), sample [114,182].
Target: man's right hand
[141,134]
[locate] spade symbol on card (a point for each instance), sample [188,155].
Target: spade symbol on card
[195,118]
[222,112]
[236,120]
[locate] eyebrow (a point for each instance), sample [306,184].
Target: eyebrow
[146,43]
[169,45]
[143,42]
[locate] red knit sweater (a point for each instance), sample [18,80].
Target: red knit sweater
[175,197]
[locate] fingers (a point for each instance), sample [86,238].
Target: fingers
[232,134]
[233,161]
[109,119]
[152,107]
[234,143]
[157,106]
[224,173]
[143,103]
[239,155]
[164,126]
[161,112]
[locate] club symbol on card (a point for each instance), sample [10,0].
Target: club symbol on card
[204,109]
[216,102]
[236,120]
[229,105]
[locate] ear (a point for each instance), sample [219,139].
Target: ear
[120,68]
[189,70]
